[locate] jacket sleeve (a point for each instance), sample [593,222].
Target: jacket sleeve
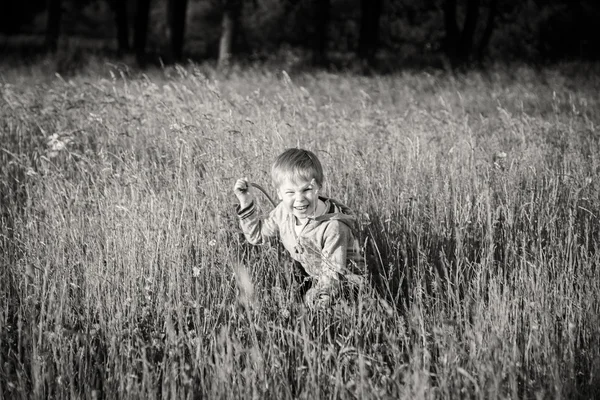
[257,229]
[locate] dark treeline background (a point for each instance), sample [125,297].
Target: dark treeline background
[459,32]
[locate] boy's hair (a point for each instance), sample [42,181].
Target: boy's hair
[295,164]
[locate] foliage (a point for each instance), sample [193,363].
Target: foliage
[409,32]
[14,14]
[123,273]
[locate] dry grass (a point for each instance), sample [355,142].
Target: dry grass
[124,274]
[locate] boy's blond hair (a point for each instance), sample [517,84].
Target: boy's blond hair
[296,164]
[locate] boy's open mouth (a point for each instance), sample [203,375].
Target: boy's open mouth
[301,208]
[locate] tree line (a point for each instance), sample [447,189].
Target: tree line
[467,26]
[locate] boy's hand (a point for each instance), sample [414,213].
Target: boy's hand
[242,191]
[317,299]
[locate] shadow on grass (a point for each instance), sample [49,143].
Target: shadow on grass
[388,266]
[401,259]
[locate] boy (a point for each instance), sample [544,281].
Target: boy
[317,231]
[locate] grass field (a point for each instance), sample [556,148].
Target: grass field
[124,273]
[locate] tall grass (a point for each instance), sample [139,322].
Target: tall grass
[124,273]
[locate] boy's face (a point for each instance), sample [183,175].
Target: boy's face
[300,198]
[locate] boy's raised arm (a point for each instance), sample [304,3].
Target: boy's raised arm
[256,229]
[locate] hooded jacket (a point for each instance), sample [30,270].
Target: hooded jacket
[326,246]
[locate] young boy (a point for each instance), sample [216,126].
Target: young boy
[317,231]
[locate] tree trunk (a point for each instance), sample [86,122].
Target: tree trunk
[375,19]
[466,38]
[176,14]
[229,24]
[452,34]
[53,25]
[369,29]
[322,9]
[142,13]
[363,39]
[489,28]
[120,8]
[459,43]
[226,39]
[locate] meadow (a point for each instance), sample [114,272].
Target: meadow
[124,273]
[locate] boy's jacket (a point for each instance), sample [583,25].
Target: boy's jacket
[326,247]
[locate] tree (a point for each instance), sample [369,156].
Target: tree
[120,9]
[322,15]
[142,13]
[369,29]
[459,42]
[53,24]
[231,15]
[176,24]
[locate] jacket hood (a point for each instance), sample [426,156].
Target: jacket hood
[337,210]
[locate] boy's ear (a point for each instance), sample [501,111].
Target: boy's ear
[317,188]
[279,196]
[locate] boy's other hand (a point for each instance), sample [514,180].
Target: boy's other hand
[242,191]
